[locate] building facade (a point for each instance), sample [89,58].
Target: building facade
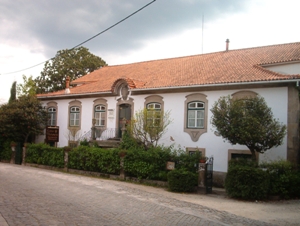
[187,87]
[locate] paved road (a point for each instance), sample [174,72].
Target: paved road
[31,196]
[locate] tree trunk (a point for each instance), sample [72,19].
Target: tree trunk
[253,154]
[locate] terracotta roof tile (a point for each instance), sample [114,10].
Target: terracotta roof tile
[233,66]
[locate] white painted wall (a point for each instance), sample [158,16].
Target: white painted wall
[287,69]
[276,98]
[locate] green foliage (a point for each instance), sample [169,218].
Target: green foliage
[28,87]
[148,126]
[69,62]
[84,142]
[182,180]
[284,180]
[246,181]
[5,150]
[22,118]
[150,164]
[247,122]
[129,142]
[45,155]
[187,162]
[13,92]
[294,185]
[95,159]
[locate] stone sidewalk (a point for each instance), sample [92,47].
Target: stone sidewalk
[32,196]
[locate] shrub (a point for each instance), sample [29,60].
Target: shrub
[187,162]
[84,142]
[5,151]
[294,188]
[95,159]
[182,180]
[283,179]
[246,181]
[150,164]
[45,155]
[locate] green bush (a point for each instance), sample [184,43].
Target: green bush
[294,188]
[182,180]
[95,159]
[246,181]
[84,142]
[45,155]
[150,164]
[187,162]
[5,151]
[283,179]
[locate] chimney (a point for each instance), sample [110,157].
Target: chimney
[227,44]
[67,90]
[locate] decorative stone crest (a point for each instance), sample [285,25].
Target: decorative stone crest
[124,91]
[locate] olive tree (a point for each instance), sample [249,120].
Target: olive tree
[248,122]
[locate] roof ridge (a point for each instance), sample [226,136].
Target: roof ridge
[203,54]
[280,61]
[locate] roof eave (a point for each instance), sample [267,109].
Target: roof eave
[297,80]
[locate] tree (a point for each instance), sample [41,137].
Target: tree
[148,126]
[22,118]
[73,63]
[28,87]
[13,92]
[247,122]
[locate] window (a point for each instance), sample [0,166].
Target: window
[241,154]
[192,151]
[153,114]
[100,115]
[51,116]
[195,115]
[74,116]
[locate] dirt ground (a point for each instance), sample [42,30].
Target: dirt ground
[282,212]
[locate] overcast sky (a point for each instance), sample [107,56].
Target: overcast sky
[32,31]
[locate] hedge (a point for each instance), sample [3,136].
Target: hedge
[182,180]
[45,155]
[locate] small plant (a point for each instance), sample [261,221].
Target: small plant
[84,142]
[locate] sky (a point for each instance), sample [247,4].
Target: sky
[32,31]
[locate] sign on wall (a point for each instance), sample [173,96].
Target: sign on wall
[52,134]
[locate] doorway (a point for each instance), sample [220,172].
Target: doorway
[124,112]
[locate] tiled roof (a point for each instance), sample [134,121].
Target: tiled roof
[233,66]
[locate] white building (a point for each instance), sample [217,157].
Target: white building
[114,92]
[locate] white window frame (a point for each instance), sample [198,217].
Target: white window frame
[100,115]
[51,116]
[74,116]
[196,115]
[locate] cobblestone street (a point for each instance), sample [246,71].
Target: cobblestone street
[32,196]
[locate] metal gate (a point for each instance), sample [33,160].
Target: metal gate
[209,174]
[18,156]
